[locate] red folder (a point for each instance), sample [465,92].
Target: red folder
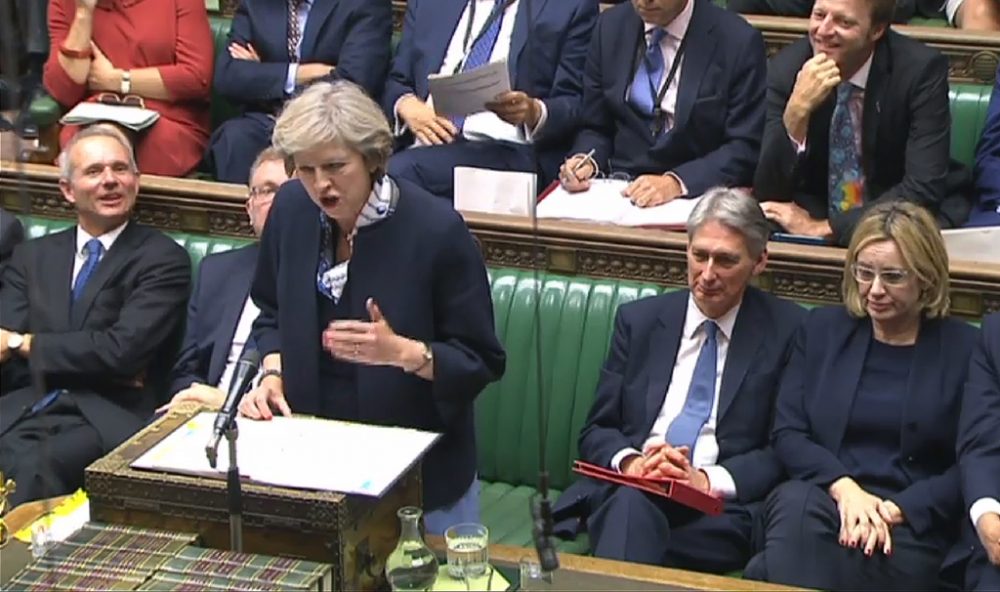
[677,491]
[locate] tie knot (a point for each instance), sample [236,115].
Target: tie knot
[710,329]
[656,36]
[93,248]
[844,92]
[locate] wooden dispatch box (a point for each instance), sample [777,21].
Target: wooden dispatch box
[353,533]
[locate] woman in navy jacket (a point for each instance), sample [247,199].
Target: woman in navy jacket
[374,300]
[866,421]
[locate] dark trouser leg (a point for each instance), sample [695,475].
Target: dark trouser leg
[981,574]
[801,525]
[716,544]
[628,525]
[235,145]
[433,167]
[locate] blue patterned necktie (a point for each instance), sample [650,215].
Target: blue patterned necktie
[846,177]
[649,75]
[94,250]
[684,430]
[482,48]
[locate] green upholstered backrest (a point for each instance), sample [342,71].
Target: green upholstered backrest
[577,316]
[221,108]
[969,103]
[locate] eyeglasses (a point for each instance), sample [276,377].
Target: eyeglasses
[890,277]
[263,191]
[109,98]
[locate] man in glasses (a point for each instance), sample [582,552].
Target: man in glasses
[221,312]
[673,97]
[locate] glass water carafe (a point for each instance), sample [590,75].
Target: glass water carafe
[411,565]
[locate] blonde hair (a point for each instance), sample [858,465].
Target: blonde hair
[919,241]
[334,112]
[269,154]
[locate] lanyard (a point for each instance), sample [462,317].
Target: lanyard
[659,117]
[496,13]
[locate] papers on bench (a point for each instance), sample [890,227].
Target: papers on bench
[468,92]
[603,202]
[973,244]
[134,118]
[494,192]
[299,452]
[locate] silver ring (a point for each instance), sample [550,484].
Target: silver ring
[357,349]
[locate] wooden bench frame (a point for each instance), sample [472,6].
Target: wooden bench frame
[799,272]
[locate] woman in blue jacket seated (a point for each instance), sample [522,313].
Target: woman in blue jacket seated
[979,457]
[866,421]
[374,300]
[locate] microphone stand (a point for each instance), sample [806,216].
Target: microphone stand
[234,488]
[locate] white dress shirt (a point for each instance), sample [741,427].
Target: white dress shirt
[107,239]
[240,336]
[983,505]
[860,81]
[706,449]
[484,125]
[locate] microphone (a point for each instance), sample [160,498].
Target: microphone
[239,384]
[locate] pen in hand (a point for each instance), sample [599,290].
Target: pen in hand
[587,158]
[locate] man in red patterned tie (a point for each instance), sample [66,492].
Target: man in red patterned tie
[856,114]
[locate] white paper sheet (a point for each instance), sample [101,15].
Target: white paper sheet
[494,192]
[604,202]
[468,92]
[973,244]
[134,118]
[299,452]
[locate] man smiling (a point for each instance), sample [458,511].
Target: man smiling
[856,114]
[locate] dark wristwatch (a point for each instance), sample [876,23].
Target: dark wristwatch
[270,372]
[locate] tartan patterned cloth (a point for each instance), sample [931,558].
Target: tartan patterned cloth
[284,572]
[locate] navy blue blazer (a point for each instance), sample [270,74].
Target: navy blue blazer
[353,35]
[818,392]
[987,171]
[639,368]
[552,71]
[213,312]
[719,117]
[979,432]
[425,271]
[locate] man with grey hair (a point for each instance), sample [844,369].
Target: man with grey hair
[687,393]
[91,318]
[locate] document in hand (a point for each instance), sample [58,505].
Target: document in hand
[299,452]
[677,491]
[604,202]
[466,93]
[134,118]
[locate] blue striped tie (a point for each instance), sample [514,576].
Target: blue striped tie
[684,430]
[649,75]
[94,250]
[482,49]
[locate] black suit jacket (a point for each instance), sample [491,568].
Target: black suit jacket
[979,432]
[818,392]
[213,313]
[425,271]
[638,370]
[353,35]
[11,234]
[719,117]
[905,134]
[127,324]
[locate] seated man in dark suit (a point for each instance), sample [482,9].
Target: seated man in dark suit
[273,51]
[687,393]
[221,313]
[673,98]
[537,118]
[91,319]
[856,114]
[987,172]
[11,234]
[979,457]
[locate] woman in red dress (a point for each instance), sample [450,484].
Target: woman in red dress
[160,50]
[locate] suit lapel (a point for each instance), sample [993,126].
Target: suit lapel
[878,77]
[519,38]
[841,386]
[698,51]
[664,342]
[124,245]
[318,15]
[58,277]
[746,341]
[450,12]
[240,276]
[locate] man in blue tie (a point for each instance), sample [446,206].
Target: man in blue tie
[856,114]
[687,393]
[673,101]
[90,319]
[527,129]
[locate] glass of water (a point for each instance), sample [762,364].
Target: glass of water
[468,550]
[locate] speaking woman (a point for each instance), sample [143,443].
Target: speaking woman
[374,299]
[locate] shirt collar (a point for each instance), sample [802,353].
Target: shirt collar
[679,26]
[107,239]
[694,319]
[860,78]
